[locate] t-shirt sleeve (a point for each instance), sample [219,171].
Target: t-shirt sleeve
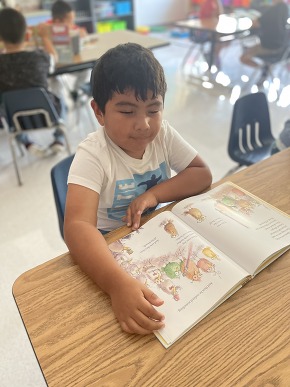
[180,152]
[86,170]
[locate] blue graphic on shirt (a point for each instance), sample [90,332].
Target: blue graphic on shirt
[128,189]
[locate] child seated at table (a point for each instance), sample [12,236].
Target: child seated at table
[209,9]
[20,69]
[63,13]
[272,30]
[134,149]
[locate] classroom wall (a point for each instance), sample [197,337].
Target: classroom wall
[158,12]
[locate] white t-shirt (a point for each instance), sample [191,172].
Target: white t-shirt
[99,164]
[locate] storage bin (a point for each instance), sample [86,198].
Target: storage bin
[179,33]
[104,9]
[103,27]
[122,7]
[119,25]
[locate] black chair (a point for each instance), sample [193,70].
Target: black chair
[270,61]
[59,174]
[27,110]
[251,138]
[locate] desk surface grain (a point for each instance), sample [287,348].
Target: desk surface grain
[244,342]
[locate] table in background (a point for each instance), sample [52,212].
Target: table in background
[225,25]
[245,341]
[95,45]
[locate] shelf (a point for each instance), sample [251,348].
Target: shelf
[114,17]
[87,15]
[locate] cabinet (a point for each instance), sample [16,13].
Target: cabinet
[91,12]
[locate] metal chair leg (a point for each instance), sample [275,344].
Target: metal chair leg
[64,132]
[15,162]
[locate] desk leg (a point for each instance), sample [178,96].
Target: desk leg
[212,50]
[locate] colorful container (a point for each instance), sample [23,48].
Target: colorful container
[119,25]
[122,7]
[103,27]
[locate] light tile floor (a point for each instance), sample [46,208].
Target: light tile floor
[29,233]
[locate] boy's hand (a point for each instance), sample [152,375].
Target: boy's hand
[137,207]
[132,303]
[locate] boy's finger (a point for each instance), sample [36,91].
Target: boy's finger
[128,217]
[136,220]
[133,327]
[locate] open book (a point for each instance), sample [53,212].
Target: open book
[202,251]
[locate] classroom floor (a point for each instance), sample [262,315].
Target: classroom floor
[29,233]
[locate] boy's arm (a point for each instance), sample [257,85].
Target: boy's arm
[82,31]
[195,178]
[44,32]
[132,301]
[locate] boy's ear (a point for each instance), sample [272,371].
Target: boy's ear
[98,113]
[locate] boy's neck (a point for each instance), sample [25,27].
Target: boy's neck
[10,48]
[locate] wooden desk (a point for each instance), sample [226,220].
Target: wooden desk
[100,43]
[224,25]
[244,342]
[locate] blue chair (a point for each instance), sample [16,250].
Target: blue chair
[59,174]
[251,138]
[27,110]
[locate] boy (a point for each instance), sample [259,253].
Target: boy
[20,69]
[272,31]
[62,13]
[122,170]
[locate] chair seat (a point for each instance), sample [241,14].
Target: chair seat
[276,57]
[254,156]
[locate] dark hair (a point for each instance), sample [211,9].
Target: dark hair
[12,26]
[127,66]
[60,9]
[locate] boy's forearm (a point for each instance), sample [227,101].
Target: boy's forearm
[188,182]
[90,250]
[49,47]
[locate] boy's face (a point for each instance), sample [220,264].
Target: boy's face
[69,19]
[131,124]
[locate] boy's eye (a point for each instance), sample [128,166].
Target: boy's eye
[154,111]
[126,112]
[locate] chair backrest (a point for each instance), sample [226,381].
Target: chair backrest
[59,174]
[28,109]
[280,56]
[250,131]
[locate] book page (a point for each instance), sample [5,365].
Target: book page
[250,231]
[181,267]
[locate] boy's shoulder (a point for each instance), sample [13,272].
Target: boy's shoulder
[36,54]
[95,141]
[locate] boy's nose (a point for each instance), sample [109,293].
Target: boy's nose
[142,123]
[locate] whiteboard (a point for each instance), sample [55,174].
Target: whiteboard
[158,12]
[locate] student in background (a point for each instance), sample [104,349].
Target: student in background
[210,9]
[123,170]
[62,13]
[272,32]
[20,69]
